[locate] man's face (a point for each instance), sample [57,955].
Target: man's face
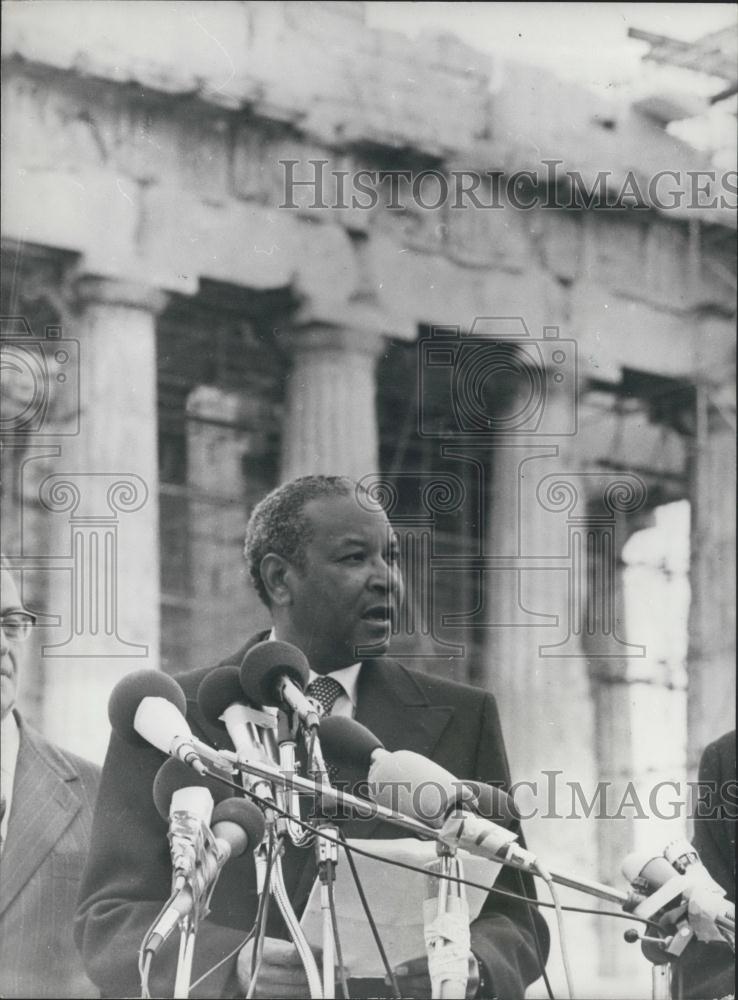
[10,649]
[350,589]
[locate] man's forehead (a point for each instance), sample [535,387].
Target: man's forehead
[343,516]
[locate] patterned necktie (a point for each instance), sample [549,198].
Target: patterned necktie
[326,690]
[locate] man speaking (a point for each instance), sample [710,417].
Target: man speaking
[324,561]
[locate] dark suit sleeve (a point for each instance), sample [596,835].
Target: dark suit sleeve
[126,882]
[503,935]
[708,970]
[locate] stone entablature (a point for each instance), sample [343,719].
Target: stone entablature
[145,186]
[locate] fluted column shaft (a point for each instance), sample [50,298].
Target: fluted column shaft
[103,505]
[330,421]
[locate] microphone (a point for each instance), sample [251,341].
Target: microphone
[221,700]
[276,673]
[646,872]
[707,905]
[190,812]
[684,859]
[173,775]
[346,742]
[417,787]
[127,695]
[237,825]
[148,706]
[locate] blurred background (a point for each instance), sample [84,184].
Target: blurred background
[182,330]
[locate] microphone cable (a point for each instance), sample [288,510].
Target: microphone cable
[546,876]
[337,941]
[421,871]
[262,915]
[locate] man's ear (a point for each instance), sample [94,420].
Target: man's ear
[274,569]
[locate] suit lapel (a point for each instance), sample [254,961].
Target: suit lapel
[42,808]
[392,704]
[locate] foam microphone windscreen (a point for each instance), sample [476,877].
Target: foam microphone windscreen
[415,786]
[246,816]
[494,804]
[173,775]
[265,663]
[128,694]
[219,689]
[346,742]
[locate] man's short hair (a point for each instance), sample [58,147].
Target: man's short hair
[278,523]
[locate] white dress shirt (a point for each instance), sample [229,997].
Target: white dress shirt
[348,678]
[9,746]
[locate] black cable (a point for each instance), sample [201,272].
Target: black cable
[370,920]
[536,939]
[258,953]
[227,958]
[421,871]
[336,938]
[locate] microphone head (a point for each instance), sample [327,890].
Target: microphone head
[646,872]
[346,742]
[128,694]
[173,775]
[265,663]
[411,784]
[244,815]
[494,804]
[219,689]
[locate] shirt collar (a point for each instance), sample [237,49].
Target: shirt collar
[347,677]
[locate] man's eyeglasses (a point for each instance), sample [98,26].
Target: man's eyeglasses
[17,625]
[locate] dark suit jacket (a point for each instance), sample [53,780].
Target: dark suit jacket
[128,875]
[708,970]
[41,870]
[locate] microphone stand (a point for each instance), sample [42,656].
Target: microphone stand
[187,931]
[447,926]
[326,852]
[202,886]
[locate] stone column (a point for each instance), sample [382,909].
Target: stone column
[103,505]
[545,701]
[330,423]
[711,658]
[225,607]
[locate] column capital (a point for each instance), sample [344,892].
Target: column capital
[350,327]
[93,289]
